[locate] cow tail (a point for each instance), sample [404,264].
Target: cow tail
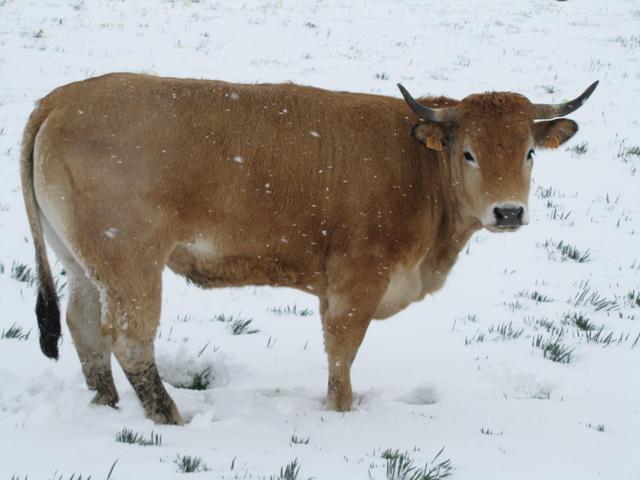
[47,305]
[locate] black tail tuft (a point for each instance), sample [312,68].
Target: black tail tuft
[48,314]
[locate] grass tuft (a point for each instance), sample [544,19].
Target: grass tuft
[554,349]
[540,298]
[535,296]
[477,337]
[299,440]
[579,321]
[599,337]
[400,466]
[129,436]
[55,477]
[514,306]
[587,297]
[241,327]
[558,352]
[291,310]
[597,428]
[189,464]
[626,153]
[236,324]
[506,331]
[566,251]
[15,332]
[546,324]
[579,148]
[557,212]
[545,192]
[199,381]
[23,273]
[632,299]
[289,472]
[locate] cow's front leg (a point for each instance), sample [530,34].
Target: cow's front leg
[351,300]
[343,335]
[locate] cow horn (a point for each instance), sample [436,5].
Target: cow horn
[439,115]
[544,111]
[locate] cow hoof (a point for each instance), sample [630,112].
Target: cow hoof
[335,404]
[106,398]
[100,380]
[167,418]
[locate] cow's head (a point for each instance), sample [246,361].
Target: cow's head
[491,140]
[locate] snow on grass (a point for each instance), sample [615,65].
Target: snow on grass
[526,365]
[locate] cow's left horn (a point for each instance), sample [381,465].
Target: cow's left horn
[545,111]
[439,115]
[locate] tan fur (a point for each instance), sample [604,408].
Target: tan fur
[281,185]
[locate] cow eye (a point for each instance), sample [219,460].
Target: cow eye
[530,154]
[469,158]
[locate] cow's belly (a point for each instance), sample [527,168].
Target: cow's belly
[405,287]
[209,267]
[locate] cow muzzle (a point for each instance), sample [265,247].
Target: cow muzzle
[507,217]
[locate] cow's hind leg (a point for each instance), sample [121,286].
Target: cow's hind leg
[94,349]
[132,311]
[354,292]
[83,320]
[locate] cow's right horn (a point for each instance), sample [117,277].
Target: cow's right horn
[439,115]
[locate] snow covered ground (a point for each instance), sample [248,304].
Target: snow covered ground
[465,369]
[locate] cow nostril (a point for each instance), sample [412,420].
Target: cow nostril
[508,216]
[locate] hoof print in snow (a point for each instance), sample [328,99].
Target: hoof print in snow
[425,395]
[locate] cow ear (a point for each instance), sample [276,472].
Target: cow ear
[553,133]
[431,135]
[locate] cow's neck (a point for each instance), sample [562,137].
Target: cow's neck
[448,228]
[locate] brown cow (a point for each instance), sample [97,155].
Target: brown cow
[354,198]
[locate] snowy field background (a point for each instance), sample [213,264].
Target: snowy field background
[466,369]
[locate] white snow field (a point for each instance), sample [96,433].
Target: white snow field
[525,366]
